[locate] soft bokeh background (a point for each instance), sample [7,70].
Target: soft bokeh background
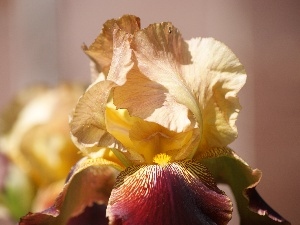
[40,42]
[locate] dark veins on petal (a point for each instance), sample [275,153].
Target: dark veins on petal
[177,194]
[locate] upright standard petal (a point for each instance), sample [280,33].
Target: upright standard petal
[88,125]
[177,193]
[156,83]
[215,77]
[101,51]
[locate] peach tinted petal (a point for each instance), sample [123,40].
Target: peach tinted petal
[157,82]
[150,101]
[91,180]
[88,121]
[121,61]
[215,78]
[178,193]
[101,51]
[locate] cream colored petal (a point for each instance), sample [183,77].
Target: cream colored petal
[160,53]
[96,76]
[215,78]
[121,61]
[101,51]
[88,120]
[151,101]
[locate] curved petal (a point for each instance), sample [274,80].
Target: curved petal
[215,78]
[88,125]
[91,180]
[151,101]
[88,121]
[121,60]
[101,51]
[227,167]
[157,82]
[150,139]
[178,193]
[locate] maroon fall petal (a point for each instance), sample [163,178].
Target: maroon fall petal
[92,215]
[179,193]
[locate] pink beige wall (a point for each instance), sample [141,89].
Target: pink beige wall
[40,42]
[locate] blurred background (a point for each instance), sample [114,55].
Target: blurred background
[41,43]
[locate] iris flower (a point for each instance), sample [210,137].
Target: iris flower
[154,128]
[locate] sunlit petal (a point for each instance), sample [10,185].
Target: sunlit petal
[215,78]
[150,139]
[178,193]
[157,84]
[88,121]
[122,56]
[101,51]
[118,123]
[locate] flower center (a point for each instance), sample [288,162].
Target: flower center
[162,159]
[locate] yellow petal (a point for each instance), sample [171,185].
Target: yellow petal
[215,78]
[142,140]
[118,124]
[150,139]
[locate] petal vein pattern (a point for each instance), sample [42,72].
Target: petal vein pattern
[215,77]
[88,121]
[179,193]
[159,54]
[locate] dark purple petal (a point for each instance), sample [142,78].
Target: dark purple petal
[179,193]
[95,215]
[258,205]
